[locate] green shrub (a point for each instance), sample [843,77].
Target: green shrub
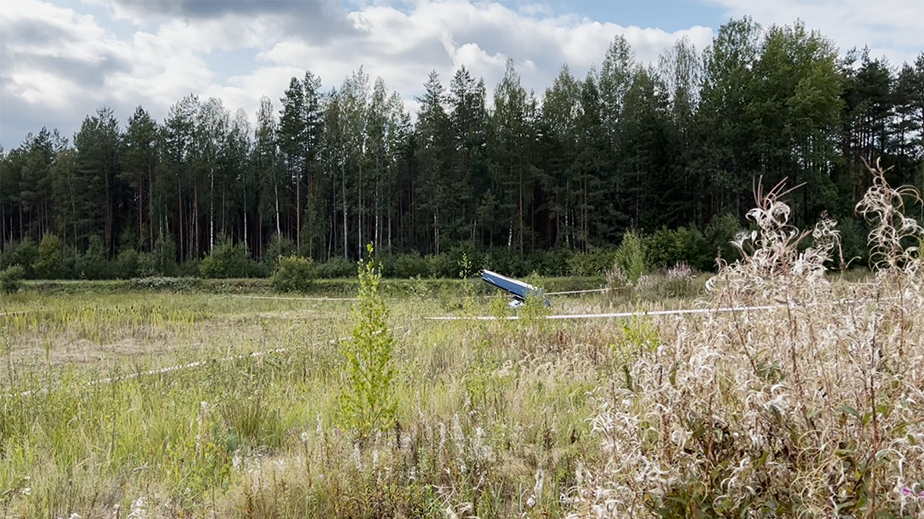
[93,264]
[52,261]
[336,267]
[126,264]
[534,307]
[505,261]
[719,235]
[440,266]
[669,247]
[407,266]
[11,278]
[367,401]
[631,256]
[463,253]
[22,253]
[554,262]
[854,250]
[159,262]
[190,268]
[228,260]
[293,274]
[594,262]
[277,247]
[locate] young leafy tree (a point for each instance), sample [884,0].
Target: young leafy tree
[680,71]
[367,400]
[723,126]
[794,113]
[51,261]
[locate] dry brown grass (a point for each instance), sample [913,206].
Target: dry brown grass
[815,409]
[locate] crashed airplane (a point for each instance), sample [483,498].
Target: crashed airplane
[518,289]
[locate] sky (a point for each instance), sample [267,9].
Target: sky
[61,60]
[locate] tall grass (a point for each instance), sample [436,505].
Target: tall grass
[813,410]
[481,410]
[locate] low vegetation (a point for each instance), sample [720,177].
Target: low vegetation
[786,391]
[814,409]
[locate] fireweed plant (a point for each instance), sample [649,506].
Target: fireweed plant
[812,409]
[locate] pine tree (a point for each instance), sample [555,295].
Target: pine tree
[140,164]
[99,161]
[433,158]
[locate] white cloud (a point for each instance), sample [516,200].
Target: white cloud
[893,28]
[403,46]
[58,65]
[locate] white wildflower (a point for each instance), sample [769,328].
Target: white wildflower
[138,510]
[357,457]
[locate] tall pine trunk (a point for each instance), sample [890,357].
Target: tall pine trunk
[436,230]
[224,209]
[298,210]
[195,218]
[109,215]
[179,199]
[521,210]
[150,207]
[211,209]
[344,201]
[278,226]
[140,211]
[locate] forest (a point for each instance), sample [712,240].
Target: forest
[671,149]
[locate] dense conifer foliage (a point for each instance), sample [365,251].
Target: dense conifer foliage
[668,146]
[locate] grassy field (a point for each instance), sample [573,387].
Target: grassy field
[482,408]
[789,392]
[494,418]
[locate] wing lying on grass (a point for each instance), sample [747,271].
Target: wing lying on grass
[519,289]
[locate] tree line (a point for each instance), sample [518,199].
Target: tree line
[667,146]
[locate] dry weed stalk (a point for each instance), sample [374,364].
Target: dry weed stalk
[813,410]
